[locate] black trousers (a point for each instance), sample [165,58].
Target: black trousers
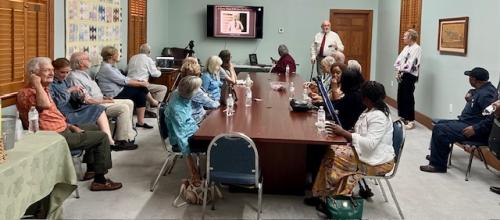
[406,98]
[136,94]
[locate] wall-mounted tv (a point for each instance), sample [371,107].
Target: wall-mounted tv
[234,21]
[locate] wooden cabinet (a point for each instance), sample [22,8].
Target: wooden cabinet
[167,78]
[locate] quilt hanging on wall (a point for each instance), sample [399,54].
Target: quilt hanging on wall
[91,25]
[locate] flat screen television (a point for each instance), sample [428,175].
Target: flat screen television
[227,21]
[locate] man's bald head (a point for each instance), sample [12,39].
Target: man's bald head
[325,26]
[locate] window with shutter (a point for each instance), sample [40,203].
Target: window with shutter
[411,11]
[24,33]
[137,26]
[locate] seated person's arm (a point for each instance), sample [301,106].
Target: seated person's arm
[207,102]
[93,101]
[137,83]
[42,98]
[151,66]
[484,126]
[231,74]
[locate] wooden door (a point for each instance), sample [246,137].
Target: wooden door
[137,26]
[411,13]
[355,30]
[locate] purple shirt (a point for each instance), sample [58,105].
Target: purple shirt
[283,62]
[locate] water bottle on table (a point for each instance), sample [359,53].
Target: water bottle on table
[321,119]
[248,97]
[33,120]
[291,90]
[230,105]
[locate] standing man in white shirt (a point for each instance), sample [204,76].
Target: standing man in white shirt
[407,67]
[325,44]
[140,67]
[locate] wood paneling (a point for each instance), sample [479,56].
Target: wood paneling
[137,26]
[25,32]
[355,30]
[411,12]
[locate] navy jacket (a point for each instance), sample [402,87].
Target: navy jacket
[472,113]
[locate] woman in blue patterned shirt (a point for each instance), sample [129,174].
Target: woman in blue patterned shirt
[180,122]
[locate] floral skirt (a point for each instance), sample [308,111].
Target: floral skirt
[341,169]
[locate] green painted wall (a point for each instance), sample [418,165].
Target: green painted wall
[442,81]
[300,19]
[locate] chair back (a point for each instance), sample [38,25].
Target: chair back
[233,154]
[162,126]
[398,142]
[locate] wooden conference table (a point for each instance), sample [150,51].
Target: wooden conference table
[281,136]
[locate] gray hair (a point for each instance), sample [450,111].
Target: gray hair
[188,86]
[75,60]
[212,63]
[145,49]
[339,57]
[282,49]
[107,52]
[412,34]
[354,65]
[328,60]
[33,66]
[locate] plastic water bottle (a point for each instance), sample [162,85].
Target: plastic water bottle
[321,119]
[248,97]
[291,90]
[305,96]
[19,127]
[287,72]
[33,120]
[230,105]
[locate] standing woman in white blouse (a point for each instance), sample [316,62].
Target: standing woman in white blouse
[370,151]
[407,67]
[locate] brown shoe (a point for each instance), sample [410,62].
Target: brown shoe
[88,175]
[108,186]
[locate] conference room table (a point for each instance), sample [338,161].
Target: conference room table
[281,135]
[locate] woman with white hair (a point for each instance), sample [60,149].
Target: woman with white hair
[212,77]
[407,67]
[200,100]
[285,60]
[181,124]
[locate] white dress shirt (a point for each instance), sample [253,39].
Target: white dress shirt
[372,138]
[332,44]
[408,60]
[141,66]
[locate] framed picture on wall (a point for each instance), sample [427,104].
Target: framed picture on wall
[452,35]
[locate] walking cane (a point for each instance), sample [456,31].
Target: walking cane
[312,71]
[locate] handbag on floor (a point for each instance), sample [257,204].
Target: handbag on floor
[344,207]
[192,194]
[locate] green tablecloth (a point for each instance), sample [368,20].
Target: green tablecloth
[40,164]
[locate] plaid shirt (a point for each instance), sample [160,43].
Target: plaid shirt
[50,119]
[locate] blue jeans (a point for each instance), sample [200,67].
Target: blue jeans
[444,133]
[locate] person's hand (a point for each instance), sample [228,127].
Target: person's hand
[107,98]
[35,80]
[313,60]
[397,76]
[73,89]
[145,84]
[273,60]
[497,108]
[104,101]
[336,129]
[469,132]
[468,97]
[75,129]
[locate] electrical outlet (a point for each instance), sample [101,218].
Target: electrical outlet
[451,108]
[281,30]
[392,83]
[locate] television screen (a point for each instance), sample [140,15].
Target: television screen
[234,21]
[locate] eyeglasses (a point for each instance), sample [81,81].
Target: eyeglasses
[47,70]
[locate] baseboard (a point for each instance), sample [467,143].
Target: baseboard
[427,122]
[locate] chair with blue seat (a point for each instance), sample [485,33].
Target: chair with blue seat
[398,141]
[77,156]
[232,159]
[172,152]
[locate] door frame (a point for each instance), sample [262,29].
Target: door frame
[369,13]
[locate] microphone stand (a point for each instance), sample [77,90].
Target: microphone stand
[312,71]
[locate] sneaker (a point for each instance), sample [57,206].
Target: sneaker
[108,186]
[146,126]
[410,125]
